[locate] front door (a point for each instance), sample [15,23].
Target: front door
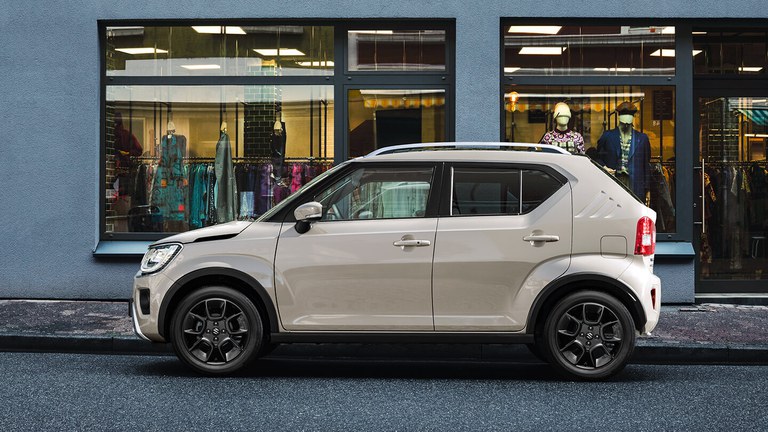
[367,264]
[732,194]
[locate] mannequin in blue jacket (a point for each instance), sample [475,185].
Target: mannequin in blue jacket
[626,153]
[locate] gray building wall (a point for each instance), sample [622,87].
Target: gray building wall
[50,94]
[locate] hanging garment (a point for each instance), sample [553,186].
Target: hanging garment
[297,177]
[226,191]
[170,183]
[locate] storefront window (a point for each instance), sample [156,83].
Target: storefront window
[739,51]
[384,117]
[588,50]
[232,50]
[397,50]
[184,157]
[734,138]
[629,129]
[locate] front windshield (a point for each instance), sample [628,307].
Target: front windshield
[269,213]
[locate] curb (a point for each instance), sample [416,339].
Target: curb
[646,351]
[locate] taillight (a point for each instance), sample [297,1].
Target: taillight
[645,240]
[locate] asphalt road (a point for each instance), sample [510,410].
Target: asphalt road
[101,392]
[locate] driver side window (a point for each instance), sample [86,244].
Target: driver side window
[377,193]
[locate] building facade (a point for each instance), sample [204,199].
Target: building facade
[125,124]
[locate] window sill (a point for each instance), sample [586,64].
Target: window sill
[675,250]
[107,249]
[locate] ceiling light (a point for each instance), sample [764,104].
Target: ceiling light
[668,30]
[271,52]
[542,50]
[751,135]
[139,51]
[511,69]
[750,69]
[384,32]
[699,32]
[669,53]
[549,30]
[218,29]
[621,69]
[316,63]
[201,67]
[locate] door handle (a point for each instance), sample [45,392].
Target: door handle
[541,238]
[411,243]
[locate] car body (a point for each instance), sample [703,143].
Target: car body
[455,243]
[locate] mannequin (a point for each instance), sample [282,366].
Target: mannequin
[226,190]
[626,153]
[169,188]
[562,135]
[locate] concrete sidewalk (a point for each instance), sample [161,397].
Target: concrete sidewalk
[707,333]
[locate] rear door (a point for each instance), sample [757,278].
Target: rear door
[504,222]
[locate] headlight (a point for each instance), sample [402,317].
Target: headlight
[158,257]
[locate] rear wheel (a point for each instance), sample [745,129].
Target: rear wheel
[216,330]
[589,335]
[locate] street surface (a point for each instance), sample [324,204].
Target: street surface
[107,392]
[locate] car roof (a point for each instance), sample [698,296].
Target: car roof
[469,152]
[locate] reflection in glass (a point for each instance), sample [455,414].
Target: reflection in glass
[734,135]
[589,50]
[385,117]
[184,157]
[731,51]
[636,121]
[219,51]
[396,50]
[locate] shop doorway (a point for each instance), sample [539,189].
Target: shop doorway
[731,190]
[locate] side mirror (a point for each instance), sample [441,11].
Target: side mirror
[305,214]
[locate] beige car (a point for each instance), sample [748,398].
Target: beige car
[451,243]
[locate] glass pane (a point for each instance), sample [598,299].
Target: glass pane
[734,135]
[396,50]
[604,122]
[184,157]
[381,118]
[373,193]
[486,192]
[733,51]
[219,51]
[537,187]
[588,50]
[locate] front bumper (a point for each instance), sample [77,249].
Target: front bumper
[145,319]
[136,327]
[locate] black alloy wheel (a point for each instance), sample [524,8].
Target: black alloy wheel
[216,330]
[589,335]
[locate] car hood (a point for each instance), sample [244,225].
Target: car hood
[216,232]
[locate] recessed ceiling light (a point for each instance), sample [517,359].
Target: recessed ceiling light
[145,50]
[218,29]
[542,50]
[549,30]
[383,32]
[668,30]
[669,53]
[201,67]
[620,69]
[511,69]
[279,52]
[699,32]
[750,69]
[751,135]
[316,63]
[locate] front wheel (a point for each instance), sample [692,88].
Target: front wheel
[589,335]
[216,330]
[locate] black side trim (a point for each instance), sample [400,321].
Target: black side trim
[218,237]
[245,279]
[561,287]
[396,338]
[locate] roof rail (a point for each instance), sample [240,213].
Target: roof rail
[546,148]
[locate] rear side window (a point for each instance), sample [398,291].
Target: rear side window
[499,191]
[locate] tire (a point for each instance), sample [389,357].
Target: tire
[589,335]
[216,330]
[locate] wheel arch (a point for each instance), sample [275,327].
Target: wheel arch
[232,278]
[560,288]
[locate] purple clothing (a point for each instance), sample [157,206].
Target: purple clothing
[567,139]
